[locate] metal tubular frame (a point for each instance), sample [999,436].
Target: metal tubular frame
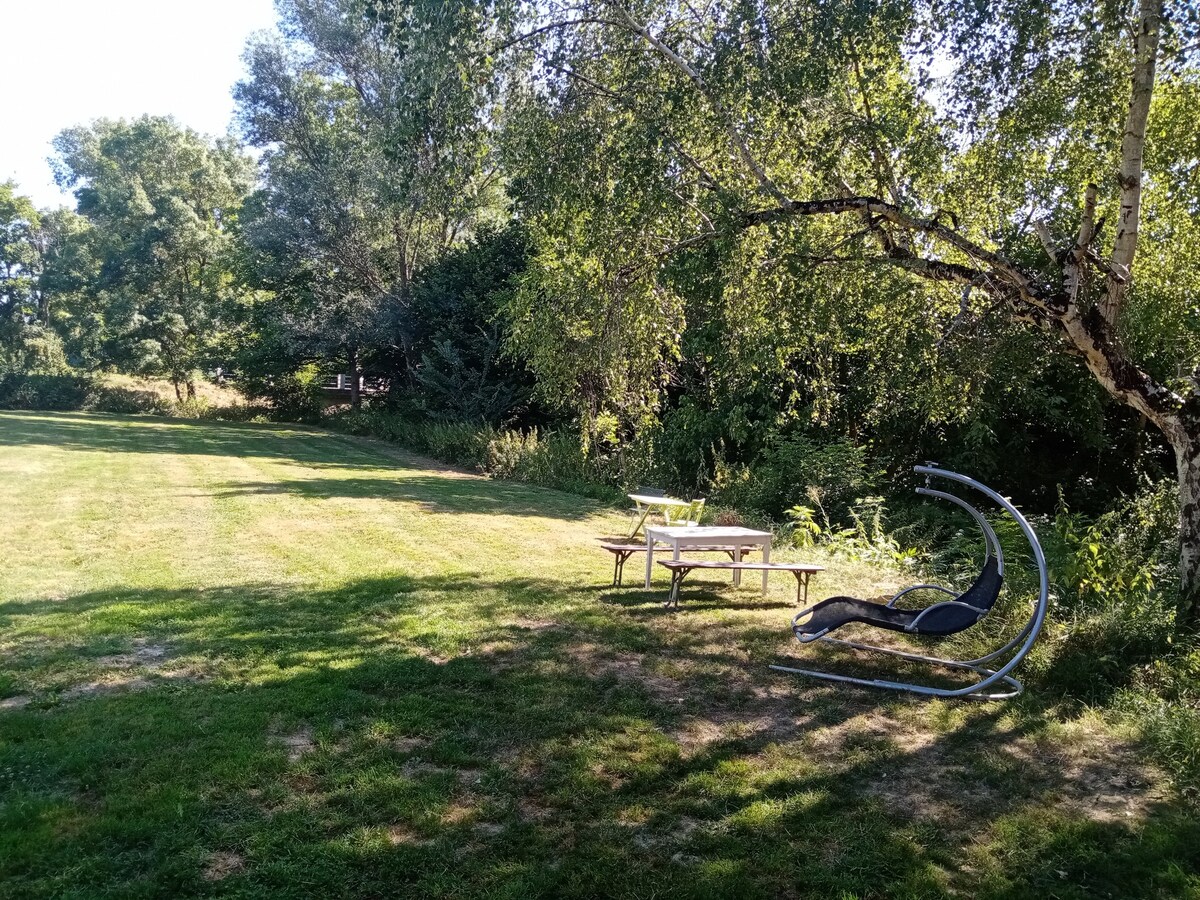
[1013,652]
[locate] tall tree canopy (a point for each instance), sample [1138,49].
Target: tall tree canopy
[376,124]
[162,199]
[43,262]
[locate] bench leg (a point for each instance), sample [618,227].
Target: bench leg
[677,576]
[620,557]
[802,588]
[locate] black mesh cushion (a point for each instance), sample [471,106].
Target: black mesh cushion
[837,611]
[942,618]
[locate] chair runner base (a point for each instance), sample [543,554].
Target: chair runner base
[988,677]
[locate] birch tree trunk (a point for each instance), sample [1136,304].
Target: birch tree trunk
[355,379]
[1187,459]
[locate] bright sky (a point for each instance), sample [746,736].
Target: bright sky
[67,62]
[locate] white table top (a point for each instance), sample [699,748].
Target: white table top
[647,500]
[706,532]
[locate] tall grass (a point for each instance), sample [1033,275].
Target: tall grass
[552,459]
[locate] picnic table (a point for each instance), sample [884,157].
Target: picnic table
[679,539]
[648,503]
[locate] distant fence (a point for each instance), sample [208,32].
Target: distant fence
[337,387]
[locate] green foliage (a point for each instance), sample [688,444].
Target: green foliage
[51,392]
[161,199]
[553,459]
[292,396]
[75,392]
[457,325]
[867,539]
[1171,731]
[39,262]
[1122,558]
[372,119]
[793,468]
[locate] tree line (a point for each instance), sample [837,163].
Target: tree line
[726,237]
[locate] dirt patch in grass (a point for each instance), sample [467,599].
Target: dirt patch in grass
[409,744]
[18,702]
[298,743]
[533,624]
[628,668]
[531,810]
[222,864]
[919,774]
[401,835]
[697,733]
[419,768]
[108,684]
[143,655]
[1101,777]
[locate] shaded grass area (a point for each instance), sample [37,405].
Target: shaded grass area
[244,660]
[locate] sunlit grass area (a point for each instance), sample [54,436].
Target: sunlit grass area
[253,660]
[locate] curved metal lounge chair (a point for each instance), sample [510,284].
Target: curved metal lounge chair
[944,618]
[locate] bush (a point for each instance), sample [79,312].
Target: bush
[553,459]
[1124,558]
[49,392]
[794,471]
[86,393]
[297,397]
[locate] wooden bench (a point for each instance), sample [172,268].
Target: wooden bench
[622,552]
[681,567]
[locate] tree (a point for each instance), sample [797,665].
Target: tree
[42,259]
[811,131]
[373,119]
[459,328]
[162,199]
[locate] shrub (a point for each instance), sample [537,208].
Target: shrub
[551,459]
[294,397]
[511,453]
[1124,558]
[124,400]
[49,392]
[787,472]
[86,393]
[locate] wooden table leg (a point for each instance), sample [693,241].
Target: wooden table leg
[649,558]
[766,552]
[737,558]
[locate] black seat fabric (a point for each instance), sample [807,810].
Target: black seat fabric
[838,611]
[940,619]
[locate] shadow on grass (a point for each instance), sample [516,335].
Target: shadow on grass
[454,736]
[436,493]
[404,476]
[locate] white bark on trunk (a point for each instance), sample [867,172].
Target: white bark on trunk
[1188,460]
[1132,142]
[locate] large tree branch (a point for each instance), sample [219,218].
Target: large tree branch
[1133,141]
[741,148]
[1001,268]
[1089,335]
[1074,269]
[1092,335]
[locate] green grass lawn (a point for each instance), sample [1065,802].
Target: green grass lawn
[251,660]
